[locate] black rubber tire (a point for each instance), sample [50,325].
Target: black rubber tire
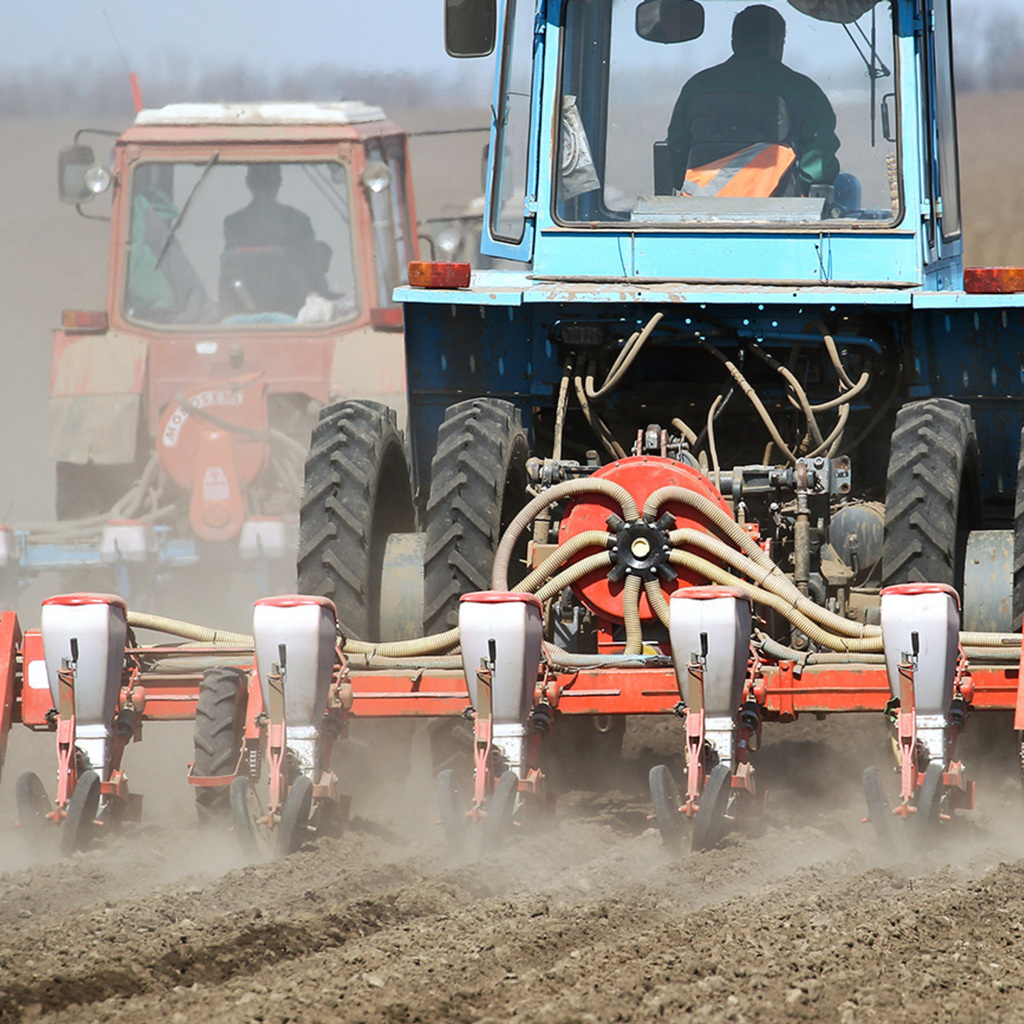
[452,808]
[932,493]
[1018,542]
[477,486]
[358,491]
[217,740]
[879,811]
[709,823]
[929,802]
[242,799]
[667,802]
[293,828]
[32,802]
[501,806]
[77,828]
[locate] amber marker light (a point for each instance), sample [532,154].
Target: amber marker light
[993,280]
[83,321]
[430,274]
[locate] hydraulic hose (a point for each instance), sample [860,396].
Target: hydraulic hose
[576,572]
[558,658]
[631,615]
[801,395]
[188,630]
[656,599]
[780,652]
[623,361]
[717,516]
[566,489]
[752,397]
[773,581]
[561,409]
[439,643]
[686,431]
[833,351]
[814,632]
[598,425]
[561,555]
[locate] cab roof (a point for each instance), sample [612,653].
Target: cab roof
[345,112]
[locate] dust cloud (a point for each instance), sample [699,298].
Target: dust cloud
[582,917]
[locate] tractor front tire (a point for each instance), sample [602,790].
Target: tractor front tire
[932,493]
[477,486]
[358,491]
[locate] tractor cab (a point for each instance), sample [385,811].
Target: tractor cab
[725,141]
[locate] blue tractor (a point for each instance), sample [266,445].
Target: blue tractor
[730,247]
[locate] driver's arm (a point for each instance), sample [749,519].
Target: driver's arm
[818,140]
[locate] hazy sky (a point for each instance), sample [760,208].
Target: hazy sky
[276,35]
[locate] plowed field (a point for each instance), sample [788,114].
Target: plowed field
[586,919]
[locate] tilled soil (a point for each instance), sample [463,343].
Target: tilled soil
[585,918]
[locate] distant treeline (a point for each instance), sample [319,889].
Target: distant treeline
[988,58]
[90,89]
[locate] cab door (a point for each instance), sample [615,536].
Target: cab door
[511,183]
[942,176]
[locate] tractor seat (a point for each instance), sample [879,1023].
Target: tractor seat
[730,128]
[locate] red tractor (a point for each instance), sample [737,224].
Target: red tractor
[254,250]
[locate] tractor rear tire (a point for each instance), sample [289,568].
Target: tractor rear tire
[932,494]
[217,741]
[477,486]
[358,491]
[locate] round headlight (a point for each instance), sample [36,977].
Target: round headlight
[97,179]
[376,177]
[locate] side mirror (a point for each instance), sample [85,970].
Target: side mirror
[669,21]
[470,27]
[72,164]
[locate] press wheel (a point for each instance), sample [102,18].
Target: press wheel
[710,823]
[667,802]
[83,806]
[294,825]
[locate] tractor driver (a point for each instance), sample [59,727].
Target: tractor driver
[804,156]
[272,259]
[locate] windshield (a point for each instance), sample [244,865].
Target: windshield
[213,242]
[769,117]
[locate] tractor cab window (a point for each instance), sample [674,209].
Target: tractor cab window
[240,243]
[727,112]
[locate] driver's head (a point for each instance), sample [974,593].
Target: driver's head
[758,31]
[263,180]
